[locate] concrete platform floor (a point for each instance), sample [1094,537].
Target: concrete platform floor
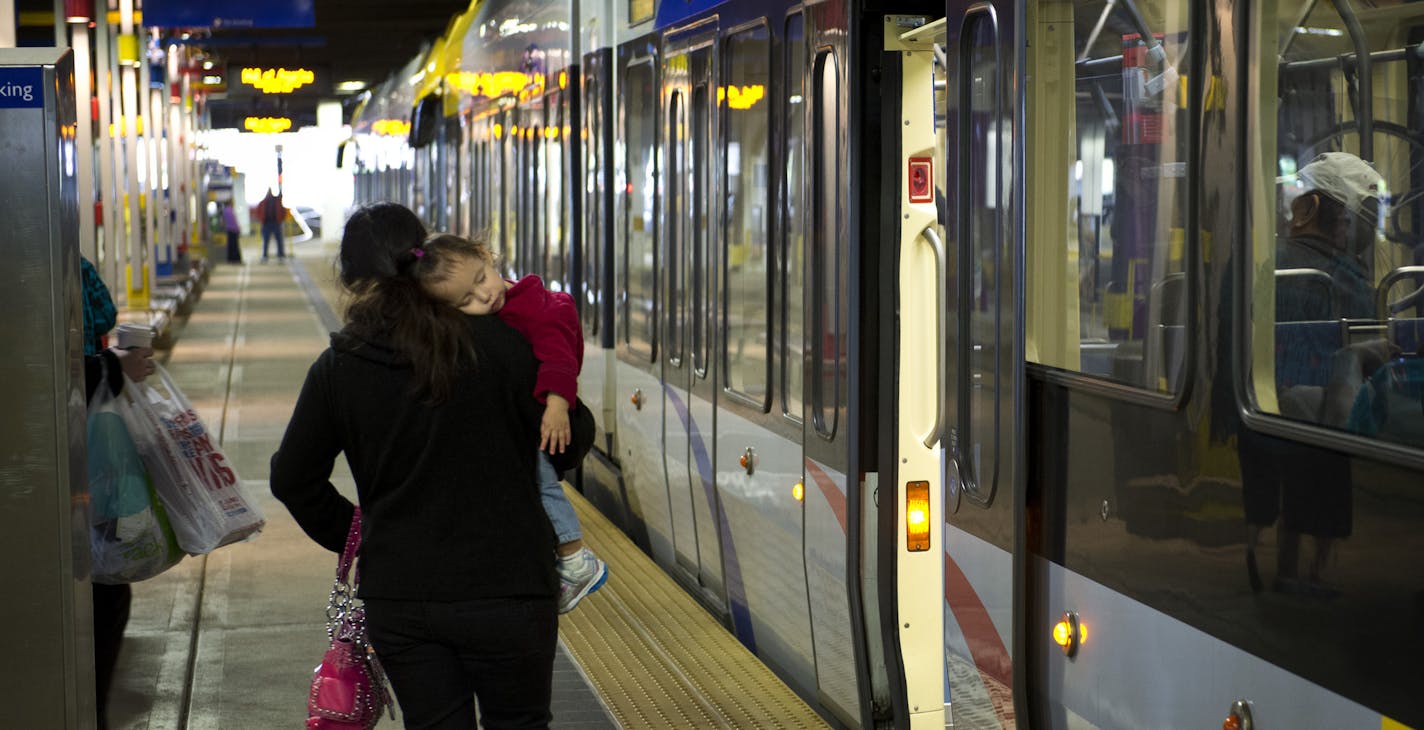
[229,640]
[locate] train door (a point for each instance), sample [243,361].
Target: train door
[983,366]
[642,269]
[829,428]
[593,262]
[689,94]
[757,464]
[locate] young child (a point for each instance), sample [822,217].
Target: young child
[549,321]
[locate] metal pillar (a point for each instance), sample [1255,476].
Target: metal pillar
[47,677]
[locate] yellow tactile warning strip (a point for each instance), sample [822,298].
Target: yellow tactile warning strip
[657,658]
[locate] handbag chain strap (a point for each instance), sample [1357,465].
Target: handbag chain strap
[343,617]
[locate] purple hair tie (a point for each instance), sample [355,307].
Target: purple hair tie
[418,251]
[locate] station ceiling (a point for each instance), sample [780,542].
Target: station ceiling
[351,41]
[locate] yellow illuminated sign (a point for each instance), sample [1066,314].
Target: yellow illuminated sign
[277,80]
[495,85]
[266,125]
[741,97]
[391,127]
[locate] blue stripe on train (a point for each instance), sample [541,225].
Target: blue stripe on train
[736,590]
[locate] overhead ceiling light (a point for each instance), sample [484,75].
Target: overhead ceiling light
[347,87]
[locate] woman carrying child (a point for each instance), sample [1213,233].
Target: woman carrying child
[432,410]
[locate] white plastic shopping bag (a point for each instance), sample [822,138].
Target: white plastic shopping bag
[129,533]
[204,498]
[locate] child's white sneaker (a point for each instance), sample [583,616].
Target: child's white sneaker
[579,575]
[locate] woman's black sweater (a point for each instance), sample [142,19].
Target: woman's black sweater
[450,510]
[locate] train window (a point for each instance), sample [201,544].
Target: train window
[470,184]
[746,266]
[592,192]
[827,251]
[983,197]
[499,186]
[640,204]
[480,178]
[510,223]
[1339,219]
[532,251]
[676,199]
[1108,296]
[455,192]
[793,232]
[700,256]
[555,271]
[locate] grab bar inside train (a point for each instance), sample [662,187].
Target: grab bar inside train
[1387,308]
[941,334]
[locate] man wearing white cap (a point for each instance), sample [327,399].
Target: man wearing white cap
[1309,491]
[1332,227]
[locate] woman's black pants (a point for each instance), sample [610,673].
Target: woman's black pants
[440,656]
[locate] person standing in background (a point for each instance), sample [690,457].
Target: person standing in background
[272,213]
[229,216]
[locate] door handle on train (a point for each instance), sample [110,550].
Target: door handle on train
[936,434]
[637,399]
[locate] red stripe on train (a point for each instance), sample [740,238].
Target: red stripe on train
[987,648]
[827,485]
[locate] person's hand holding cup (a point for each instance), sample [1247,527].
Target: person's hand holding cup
[135,350]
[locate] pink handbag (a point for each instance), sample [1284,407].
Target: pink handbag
[349,690]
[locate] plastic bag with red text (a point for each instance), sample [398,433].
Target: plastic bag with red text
[206,502]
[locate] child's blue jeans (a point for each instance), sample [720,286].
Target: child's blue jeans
[556,505]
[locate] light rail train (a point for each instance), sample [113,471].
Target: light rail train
[947,352]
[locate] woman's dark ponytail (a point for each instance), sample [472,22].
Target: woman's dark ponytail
[382,264]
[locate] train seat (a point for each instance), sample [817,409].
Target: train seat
[1303,351]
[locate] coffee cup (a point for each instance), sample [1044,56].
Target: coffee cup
[129,335]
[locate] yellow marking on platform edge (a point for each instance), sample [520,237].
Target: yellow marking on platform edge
[1388,724]
[657,658]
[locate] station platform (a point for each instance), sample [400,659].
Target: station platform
[229,640]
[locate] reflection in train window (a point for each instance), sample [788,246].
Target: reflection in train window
[827,251]
[512,222]
[984,185]
[1107,289]
[700,255]
[793,252]
[676,229]
[556,205]
[1339,226]
[507,190]
[592,189]
[746,263]
[556,272]
[533,244]
[479,181]
[640,221]
[456,160]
